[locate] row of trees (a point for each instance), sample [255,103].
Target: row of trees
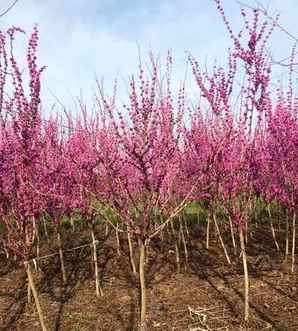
[146,160]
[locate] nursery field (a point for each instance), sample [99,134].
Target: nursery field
[207,293]
[161,211]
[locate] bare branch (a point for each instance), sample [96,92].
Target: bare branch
[9,8]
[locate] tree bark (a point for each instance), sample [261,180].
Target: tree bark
[272,228]
[131,256]
[35,295]
[98,288]
[184,243]
[293,241]
[45,229]
[61,257]
[143,285]
[208,232]
[36,230]
[72,224]
[29,292]
[287,237]
[246,277]
[106,229]
[221,240]
[177,255]
[233,236]
[118,240]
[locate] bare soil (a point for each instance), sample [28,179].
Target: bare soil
[206,295]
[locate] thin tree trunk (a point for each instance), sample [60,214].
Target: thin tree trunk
[161,234]
[176,248]
[272,228]
[208,232]
[35,295]
[98,288]
[147,253]
[131,256]
[72,224]
[37,243]
[287,237]
[184,243]
[143,285]
[29,292]
[117,239]
[246,278]
[185,226]
[177,257]
[232,235]
[61,257]
[45,229]
[293,241]
[221,240]
[106,229]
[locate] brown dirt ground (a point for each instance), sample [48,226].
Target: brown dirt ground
[206,296]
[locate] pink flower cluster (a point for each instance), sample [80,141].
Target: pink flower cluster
[142,160]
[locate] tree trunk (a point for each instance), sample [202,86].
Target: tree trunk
[64,278]
[272,228]
[37,242]
[177,255]
[35,295]
[186,226]
[29,292]
[208,232]
[184,243]
[98,288]
[6,253]
[221,240]
[45,229]
[232,235]
[143,285]
[293,241]
[72,224]
[118,240]
[131,257]
[246,279]
[287,237]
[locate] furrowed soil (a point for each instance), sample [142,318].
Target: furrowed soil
[206,295]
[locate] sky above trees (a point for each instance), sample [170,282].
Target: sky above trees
[81,39]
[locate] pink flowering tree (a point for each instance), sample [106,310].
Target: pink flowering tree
[21,145]
[83,157]
[141,165]
[281,162]
[247,58]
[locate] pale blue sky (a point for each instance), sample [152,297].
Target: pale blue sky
[79,38]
